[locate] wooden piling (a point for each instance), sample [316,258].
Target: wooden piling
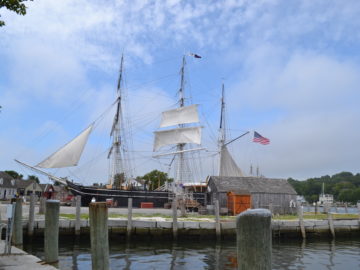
[327,207]
[51,247]
[78,214]
[217,220]
[271,208]
[182,207]
[336,209]
[331,224]
[129,220]
[98,213]
[31,215]
[316,208]
[346,208]
[17,237]
[358,207]
[174,214]
[42,205]
[253,233]
[301,219]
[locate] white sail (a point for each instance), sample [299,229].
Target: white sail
[182,115]
[176,136]
[69,154]
[228,166]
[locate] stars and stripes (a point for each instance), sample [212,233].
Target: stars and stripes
[260,139]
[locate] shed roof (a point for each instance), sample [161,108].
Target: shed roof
[252,184]
[24,183]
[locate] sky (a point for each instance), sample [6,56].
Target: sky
[291,71]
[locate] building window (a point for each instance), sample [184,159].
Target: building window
[1,181]
[13,182]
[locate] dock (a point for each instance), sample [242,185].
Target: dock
[19,259]
[159,228]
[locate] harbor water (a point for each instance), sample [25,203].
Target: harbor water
[151,254]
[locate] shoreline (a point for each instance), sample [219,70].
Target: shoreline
[205,229]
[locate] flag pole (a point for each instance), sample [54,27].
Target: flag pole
[247,132]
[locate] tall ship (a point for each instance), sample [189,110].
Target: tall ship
[174,130]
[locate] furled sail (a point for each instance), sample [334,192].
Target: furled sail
[69,154]
[228,166]
[177,135]
[182,115]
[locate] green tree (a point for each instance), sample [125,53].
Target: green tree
[14,174]
[13,5]
[34,177]
[342,185]
[155,179]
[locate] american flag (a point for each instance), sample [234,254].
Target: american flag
[260,139]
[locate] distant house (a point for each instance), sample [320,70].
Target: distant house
[7,186]
[265,192]
[48,191]
[326,198]
[62,193]
[27,187]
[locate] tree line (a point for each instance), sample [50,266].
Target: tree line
[16,175]
[344,186]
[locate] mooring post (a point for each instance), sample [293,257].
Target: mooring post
[31,214]
[346,208]
[129,221]
[327,207]
[316,208]
[217,220]
[51,248]
[78,214]
[300,214]
[182,206]
[358,207]
[98,213]
[42,205]
[336,209]
[271,208]
[17,237]
[253,234]
[331,224]
[174,213]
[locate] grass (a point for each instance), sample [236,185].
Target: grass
[317,216]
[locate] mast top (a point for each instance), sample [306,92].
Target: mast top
[182,83]
[120,76]
[222,136]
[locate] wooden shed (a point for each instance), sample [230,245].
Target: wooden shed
[269,193]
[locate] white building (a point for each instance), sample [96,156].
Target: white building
[7,186]
[326,198]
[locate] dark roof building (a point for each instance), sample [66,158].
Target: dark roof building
[274,194]
[26,187]
[7,186]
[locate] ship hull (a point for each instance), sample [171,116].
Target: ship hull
[120,197]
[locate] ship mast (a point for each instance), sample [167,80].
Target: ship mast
[116,161]
[227,165]
[180,147]
[222,131]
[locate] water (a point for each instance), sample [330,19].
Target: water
[198,255]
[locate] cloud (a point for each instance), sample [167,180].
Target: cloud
[290,68]
[314,95]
